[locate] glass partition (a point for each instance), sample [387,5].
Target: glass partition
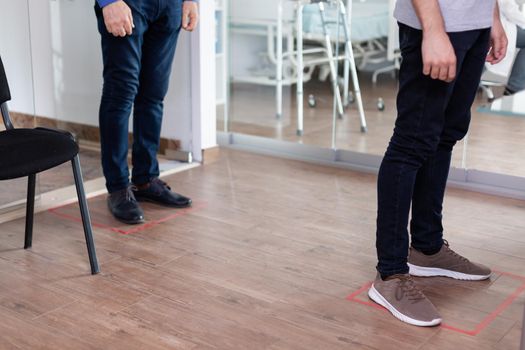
[496,141]
[265,81]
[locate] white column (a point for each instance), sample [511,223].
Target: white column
[203,111]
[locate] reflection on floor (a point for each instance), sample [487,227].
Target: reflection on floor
[266,261]
[495,143]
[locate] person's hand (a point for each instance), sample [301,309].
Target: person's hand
[498,43]
[439,58]
[190,15]
[118,18]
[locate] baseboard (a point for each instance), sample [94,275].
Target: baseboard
[83,132]
[210,155]
[469,179]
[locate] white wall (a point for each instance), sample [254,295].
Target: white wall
[68,70]
[78,71]
[15,51]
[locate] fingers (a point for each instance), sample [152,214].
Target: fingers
[131,20]
[189,21]
[451,73]
[128,27]
[121,31]
[190,15]
[427,67]
[185,17]
[498,42]
[193,21]
[118,19]
[434,73]
[439,58]
[495,55]
[499,52]
[442,71]
[490,56]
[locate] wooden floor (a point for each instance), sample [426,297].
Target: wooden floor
[266,259]
[495,143]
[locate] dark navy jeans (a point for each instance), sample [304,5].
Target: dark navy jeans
[432,116]
[136,76]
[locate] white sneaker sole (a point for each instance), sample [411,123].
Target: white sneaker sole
[378,298]
[434,271]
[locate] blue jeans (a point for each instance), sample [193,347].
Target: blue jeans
[517,76]
[136,76]
[432,116]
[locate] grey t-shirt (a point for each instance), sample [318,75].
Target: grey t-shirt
[459,15]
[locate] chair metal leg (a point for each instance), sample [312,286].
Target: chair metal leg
[30,209]
[84,212]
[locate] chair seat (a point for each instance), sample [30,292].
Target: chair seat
[30,151]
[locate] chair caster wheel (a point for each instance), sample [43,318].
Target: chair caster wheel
[311,101]
[351,98]
[380,104]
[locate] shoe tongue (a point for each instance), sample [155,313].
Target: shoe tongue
[398,276]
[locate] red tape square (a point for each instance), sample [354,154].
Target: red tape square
[64,212]
[472,332]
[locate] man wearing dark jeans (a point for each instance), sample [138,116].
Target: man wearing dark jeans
[444,45]
[138,40]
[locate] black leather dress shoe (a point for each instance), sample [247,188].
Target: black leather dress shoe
[124,207]
[159,192]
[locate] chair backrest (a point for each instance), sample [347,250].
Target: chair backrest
[5,95]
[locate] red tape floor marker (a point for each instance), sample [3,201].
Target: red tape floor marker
[180,212]
[487,320]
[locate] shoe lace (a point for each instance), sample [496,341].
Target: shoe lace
[453,253]
[407,287]
[128,194]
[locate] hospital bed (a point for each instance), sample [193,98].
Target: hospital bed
[369,27]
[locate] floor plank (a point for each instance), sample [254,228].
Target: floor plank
[267,263]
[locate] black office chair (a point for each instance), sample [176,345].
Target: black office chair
[27,152]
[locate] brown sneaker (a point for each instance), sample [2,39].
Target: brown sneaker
[446,263]
[400,295]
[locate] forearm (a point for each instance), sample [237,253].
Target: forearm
[496,12]
[429,14]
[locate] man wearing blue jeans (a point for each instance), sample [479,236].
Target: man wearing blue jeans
[138,40]
[444,45]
